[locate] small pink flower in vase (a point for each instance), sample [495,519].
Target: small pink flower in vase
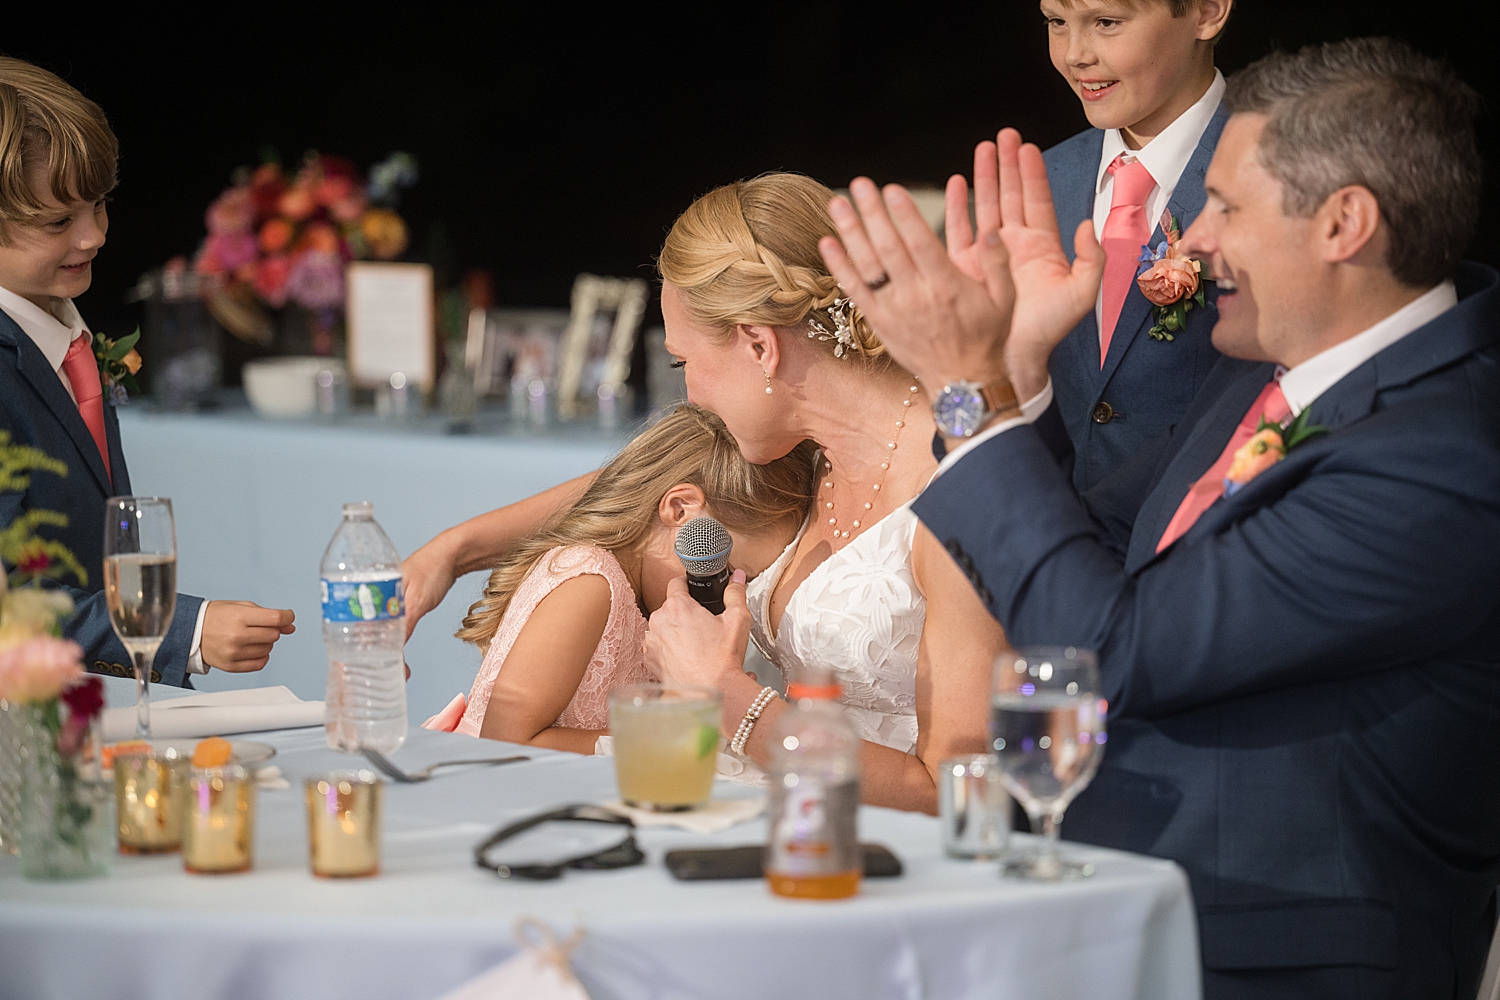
[1170,281]
[37,670]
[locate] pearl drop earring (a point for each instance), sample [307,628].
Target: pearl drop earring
[768,380]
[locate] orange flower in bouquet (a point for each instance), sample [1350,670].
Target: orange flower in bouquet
[384,233]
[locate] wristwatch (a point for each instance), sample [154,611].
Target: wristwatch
[964,407]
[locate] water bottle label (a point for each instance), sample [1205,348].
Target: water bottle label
[363,600]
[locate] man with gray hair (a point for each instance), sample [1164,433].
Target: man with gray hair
[1295,594]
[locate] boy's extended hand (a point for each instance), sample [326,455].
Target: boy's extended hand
[238,635]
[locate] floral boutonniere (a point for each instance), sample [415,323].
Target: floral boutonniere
[1170,281]
[118,363]
[1266,447]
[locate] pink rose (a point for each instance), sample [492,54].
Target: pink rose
[1169,281]
[37,670]
[1255,456]
[317,280]
[233,250]
[232,212]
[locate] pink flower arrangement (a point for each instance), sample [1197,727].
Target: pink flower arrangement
[287,239]
[39,669]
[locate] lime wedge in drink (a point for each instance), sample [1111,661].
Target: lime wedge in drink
[708,740]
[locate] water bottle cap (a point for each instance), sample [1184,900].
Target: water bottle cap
[360,509]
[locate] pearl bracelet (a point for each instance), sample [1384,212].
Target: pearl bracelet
[747,724]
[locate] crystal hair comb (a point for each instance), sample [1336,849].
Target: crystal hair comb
[843,328]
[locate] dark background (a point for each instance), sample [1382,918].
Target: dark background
[565,138]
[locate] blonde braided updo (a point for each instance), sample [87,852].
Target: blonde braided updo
[747,253]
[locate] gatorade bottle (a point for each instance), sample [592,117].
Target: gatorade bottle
[813,850]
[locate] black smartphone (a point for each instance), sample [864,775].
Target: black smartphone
[745,862]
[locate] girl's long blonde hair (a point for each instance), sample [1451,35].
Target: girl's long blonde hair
[619,509]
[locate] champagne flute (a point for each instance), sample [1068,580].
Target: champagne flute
[1047,727]
[140,585]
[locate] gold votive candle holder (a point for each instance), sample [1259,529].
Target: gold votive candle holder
[148,801]
[343,824]
[218,820]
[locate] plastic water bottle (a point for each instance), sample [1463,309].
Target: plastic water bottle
[813,849]
[363,620]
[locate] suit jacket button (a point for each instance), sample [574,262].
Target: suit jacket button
[1103,413]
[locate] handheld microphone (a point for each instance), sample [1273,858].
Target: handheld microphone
[703,545]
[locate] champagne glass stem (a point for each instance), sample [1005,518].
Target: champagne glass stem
[143,694]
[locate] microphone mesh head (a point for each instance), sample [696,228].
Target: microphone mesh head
[703,545]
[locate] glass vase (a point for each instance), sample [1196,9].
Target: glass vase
[65,823]
[10,777]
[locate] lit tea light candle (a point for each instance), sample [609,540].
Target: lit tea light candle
[218,833]
[148,801]
[343,824]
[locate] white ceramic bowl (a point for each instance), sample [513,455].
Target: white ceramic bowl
[286,387]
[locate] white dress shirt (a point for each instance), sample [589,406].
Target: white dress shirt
[53,331]
[1319,373]
[1166,156]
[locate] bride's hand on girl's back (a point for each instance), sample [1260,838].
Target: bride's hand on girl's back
[687,644]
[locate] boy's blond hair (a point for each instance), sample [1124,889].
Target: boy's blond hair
[45,121]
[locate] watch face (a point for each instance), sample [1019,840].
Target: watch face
[958,410]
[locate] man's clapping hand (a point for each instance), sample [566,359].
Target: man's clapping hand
[993,305]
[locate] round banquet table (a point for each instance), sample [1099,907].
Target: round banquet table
[433,920]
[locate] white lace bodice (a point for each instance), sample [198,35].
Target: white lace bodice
[860,614]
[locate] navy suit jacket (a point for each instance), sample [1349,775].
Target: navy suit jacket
[1304,689]
[37,411]
[1145,385]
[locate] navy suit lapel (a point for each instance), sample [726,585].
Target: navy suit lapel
[1187,200]
[33,366]
[1204,444]
[1073,184]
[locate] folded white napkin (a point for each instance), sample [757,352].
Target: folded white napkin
[718,815]
[218,713]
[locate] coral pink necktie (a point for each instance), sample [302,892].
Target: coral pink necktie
[83,374]
[1270,404]
[1125,230]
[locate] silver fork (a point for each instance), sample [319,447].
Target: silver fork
[384,764]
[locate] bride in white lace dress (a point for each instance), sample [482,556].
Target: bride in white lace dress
[771,346]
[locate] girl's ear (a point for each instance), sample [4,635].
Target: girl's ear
[763,345]
[682,503]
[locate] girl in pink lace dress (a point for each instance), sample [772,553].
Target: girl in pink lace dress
[563,618]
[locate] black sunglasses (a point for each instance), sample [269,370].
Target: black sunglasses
[621,855]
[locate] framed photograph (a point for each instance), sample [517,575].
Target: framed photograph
[391,324]
[602,326]
[504,345]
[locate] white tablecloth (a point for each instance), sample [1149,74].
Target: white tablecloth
[432,920]
[256,502]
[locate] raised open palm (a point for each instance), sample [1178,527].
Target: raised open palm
[1051,294]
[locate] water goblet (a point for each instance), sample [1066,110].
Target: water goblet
[1047,724]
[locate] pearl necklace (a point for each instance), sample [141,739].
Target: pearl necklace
[833,521]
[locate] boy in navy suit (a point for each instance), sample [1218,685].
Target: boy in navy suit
[1144,72]
[57,163]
